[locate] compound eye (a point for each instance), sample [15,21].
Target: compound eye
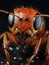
[37,22]
[11,18]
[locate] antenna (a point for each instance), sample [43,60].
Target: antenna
[43,15]
[6,12]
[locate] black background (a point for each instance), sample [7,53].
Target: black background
[9,5]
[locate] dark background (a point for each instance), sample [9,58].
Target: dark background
[9,5]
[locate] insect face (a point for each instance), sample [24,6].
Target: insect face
[26,21]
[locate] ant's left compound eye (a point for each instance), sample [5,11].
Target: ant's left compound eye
[37,22]
[11,19]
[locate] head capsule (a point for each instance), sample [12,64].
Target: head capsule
[26,20]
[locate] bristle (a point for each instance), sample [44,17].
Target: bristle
[22,7]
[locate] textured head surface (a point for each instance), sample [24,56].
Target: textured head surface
[26,20]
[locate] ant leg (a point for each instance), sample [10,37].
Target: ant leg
[11,37]
[7,56]
[1,36]
[35,52]
[5,45]
[5,41]
[47,52]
